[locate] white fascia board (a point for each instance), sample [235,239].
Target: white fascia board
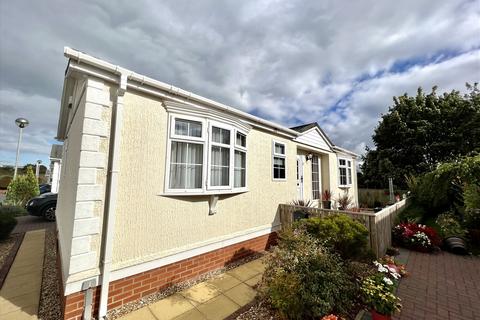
[82,58]
[342,150]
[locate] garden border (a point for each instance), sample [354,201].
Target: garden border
[11,257]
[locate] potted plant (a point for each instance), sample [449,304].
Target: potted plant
[453,233]
[378,295]
[327,199]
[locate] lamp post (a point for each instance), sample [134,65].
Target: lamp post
[37,168]
[21,123]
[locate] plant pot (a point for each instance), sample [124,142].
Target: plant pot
[474,235]
[456,244]
[379,316]
[327,204]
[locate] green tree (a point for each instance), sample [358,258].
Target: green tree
[23,188]
[420,132]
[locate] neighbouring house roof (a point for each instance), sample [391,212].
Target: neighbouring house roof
[56,152]
[306,127]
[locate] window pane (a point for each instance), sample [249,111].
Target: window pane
[241,139]
[188,128]
[349,176]
[342,162]
[239,169]
[349,163]
[220,166]
[278,168]
[315,178]
[279,148]
[186,161]
[343,176]
[220,135]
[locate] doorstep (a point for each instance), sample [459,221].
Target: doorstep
[214,299]
[20,293]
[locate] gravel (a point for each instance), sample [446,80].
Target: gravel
[258,311]
[145,301]
[49,308]
[5,248]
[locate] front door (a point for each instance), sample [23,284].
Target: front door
[300,177]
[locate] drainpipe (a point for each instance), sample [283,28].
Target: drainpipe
[111,196]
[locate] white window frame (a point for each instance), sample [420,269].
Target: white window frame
[348,174]
[278,155]
[319,173]
[205,140]
[188,139]
[241,149]
[230,146]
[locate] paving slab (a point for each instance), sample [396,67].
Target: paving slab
[201,293]
[171,307]
[224,282]
[143,314]
[218,308]
[243,273]
[20,293]
[252,282]
[193,314]
[241,294]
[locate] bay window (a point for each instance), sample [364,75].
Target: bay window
[345,172]
[205,156]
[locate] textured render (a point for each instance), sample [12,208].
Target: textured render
[158,225]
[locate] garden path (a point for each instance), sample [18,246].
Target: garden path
[440,286]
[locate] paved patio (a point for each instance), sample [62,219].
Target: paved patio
[20,293]
[214,299]
[440,286]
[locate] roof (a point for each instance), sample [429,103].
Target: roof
[56,152]
[305,127]
[87,64]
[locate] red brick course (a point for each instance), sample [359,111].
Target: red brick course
[442,286]
[140,285]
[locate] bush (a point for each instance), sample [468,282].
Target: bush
[7,223]
[303,280]
[449,225]
[341,233]
[23,188]
[15,211]
[5,181]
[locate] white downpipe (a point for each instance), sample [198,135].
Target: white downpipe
[109,220]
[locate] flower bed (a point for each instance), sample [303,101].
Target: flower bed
[416,237]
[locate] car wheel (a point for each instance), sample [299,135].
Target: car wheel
[49,212]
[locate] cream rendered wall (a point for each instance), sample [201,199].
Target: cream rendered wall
[150,226]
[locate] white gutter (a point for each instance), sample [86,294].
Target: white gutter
[85,58]
[111,196]
[346,151]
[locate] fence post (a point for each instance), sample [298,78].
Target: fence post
[373,234]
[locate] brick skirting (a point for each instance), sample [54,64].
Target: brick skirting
[142,284]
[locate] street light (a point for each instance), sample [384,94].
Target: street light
[21,123]
[37,168]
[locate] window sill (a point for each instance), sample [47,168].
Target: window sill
[345,186]
[202,193]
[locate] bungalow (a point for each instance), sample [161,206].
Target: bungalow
[160,185]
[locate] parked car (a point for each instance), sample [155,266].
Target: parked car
[44,188]
[43,205]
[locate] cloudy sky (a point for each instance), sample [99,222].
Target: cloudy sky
[335,62]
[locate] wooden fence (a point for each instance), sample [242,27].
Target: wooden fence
[379,224]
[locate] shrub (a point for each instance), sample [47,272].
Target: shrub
[5,181]
[303,280]
[416,236]
[341,233]
[471,196]
[23,188]
[15,211]
[344,201]
[449,225]
[7,223]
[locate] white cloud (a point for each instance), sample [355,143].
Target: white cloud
[289,61]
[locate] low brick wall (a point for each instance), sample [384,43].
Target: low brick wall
[140,285]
